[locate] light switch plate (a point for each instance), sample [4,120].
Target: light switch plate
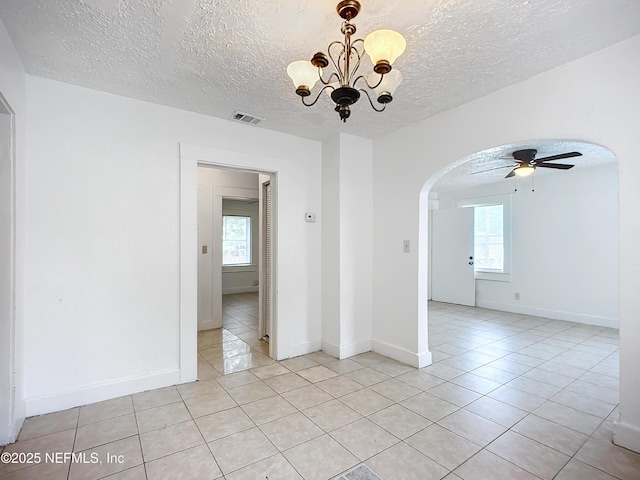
[406,247]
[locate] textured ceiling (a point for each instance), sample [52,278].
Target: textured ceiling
[489,166]
[218,56]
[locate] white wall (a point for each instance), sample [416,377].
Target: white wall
[347,247]
[12,197]
[103,261]
[564,261]
[331,245]
[356,244]
[594,99]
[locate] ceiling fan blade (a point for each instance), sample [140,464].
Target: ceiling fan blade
[512,173]
[560,166]
[558,157]
[490,169]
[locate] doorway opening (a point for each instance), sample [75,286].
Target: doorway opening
[235,268]
[551,231]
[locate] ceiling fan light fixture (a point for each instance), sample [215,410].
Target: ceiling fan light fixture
[524,170]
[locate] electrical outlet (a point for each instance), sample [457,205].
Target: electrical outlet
[516,296]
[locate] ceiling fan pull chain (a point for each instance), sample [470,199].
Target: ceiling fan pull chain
[533,185]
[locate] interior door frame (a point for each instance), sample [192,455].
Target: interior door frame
[9,428]
[265,267]
[188,338]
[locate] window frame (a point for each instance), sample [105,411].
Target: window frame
[505,201]
[248,240]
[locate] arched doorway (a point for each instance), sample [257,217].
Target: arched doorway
[566,205]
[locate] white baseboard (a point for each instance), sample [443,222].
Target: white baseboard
[351,349]
[627,436]
[99,392]
[553,314]
[346,350]
[11,433]
[331,348]
[232,290]
[414,359]
[302,348]
[207,325]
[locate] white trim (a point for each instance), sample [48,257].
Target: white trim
[355,348]
[346,350]
[627,436]
[418,360]
[206,325]
[99,392]
[553,314]
[10,411]
[188,269]
[331,349]
[251,267]
[190,157]
[232,290]
[492,276]
[11,434]
[302,348]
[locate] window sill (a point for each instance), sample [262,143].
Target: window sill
[239,268]
[493,276]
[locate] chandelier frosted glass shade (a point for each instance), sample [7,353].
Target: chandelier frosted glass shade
[384,47]
[386,85]
[303,74]
[343,59]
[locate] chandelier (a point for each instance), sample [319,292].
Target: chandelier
[383,48]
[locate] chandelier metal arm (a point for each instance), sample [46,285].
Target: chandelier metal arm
[336,64]
[328,80]
[371,103]
[355,69]
[355,49]
[317,96]
[367,81]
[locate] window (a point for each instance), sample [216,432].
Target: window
[491,236]
[488,238]
[236,240]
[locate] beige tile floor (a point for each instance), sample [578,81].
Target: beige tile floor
[507,397]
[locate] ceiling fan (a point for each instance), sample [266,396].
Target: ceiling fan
[526,162]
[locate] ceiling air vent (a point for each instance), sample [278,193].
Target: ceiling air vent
[246,118]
